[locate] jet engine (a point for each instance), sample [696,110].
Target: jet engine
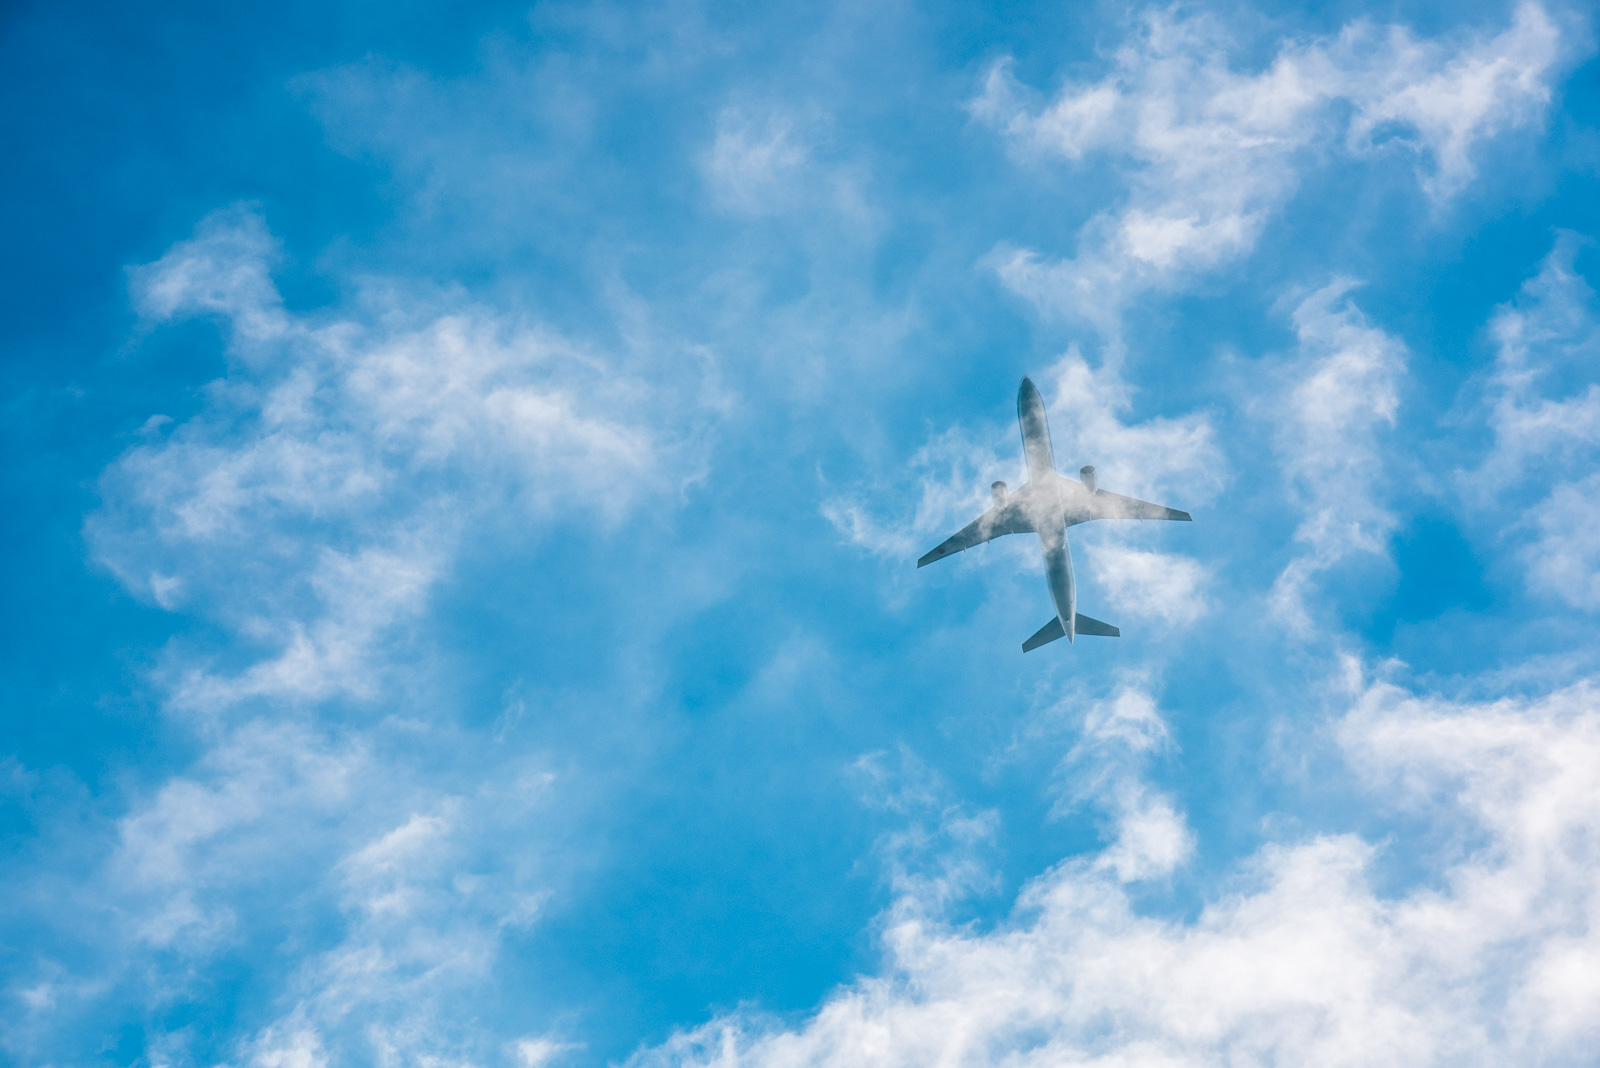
[998,491]
[1086,475]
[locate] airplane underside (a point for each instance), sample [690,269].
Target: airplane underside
[1047,505]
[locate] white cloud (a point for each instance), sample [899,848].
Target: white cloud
[1453,98]
[1494,961]
[1544,411]
[427,884]
[421,934]
[316,499]
[1128,723]
[1149,837]
[1159,456]
[753,166]
[1564,559]
[538,1052]
[309,510]
[261,790]
[938,856]
[953,469]
[426,902]
[1161,587]
[295,1049]
[771,162]
[1213,152]
[1547,342]
[1346,390]
[425,898]
[226,270]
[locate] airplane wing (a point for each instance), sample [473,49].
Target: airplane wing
[1007,518]
[1110,505]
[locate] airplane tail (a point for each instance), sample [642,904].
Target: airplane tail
[1081,624]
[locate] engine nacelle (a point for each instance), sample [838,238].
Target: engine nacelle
[998,492]
[1086,475]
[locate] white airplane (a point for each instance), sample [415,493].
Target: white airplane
[1047,505]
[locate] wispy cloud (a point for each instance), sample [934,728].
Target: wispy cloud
[1159,455]
[308,510]
[939,854]
[1542,404]
[259,791]
[953,471]
[1213,152]
[768,161]
[1148,836]
[425,910]
[1346,390]
[318,496]
[1165,588]
[334,821]
[1564,559]
[753,165]
[1306,962]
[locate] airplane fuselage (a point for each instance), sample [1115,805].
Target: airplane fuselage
[1058,573]
[1052,504]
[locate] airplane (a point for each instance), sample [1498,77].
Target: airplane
[1047,505]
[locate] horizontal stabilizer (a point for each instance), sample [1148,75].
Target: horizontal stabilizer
[1085,625]
[1046,634]
[1082,624]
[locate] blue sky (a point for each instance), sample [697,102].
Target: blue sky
[465,470]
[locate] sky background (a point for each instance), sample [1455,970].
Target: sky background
[464,469]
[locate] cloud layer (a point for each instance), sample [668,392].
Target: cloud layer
[1213,154]
[319,495]
[1307,961]
[509,647]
